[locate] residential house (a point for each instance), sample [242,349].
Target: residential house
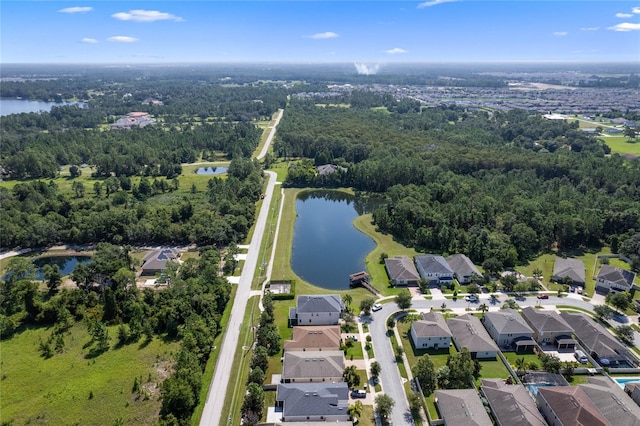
[326,169]
[312,366]
[313,402]
[401,270]
[459,407]
[155,261]
[598,402]
[549,328]
[612,278]
[633,390]
[467,331]
[431,332]
[599,343]
[511,404]
[317,309]
[314,338]
[509,330]
[569,269]
[434,269]
[463,268]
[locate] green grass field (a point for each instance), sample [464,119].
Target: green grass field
[622,145]
[57,390]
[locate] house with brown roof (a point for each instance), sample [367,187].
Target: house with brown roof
[511,404]
[549,328]
[401,270]
[467,331]
[431,332]
[312,366]
[314,338]
[568,406]
[459,407]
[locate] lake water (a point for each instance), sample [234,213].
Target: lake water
[326,245]
[66,264]
[212,170]
[16,106]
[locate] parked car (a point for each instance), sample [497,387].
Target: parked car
[358,394]
[470,298]
[376,307]
[543,296]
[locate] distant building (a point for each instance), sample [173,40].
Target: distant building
[133,119]
[327,169]
[156,260]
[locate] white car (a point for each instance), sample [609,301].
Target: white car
[471,298]
[376,307]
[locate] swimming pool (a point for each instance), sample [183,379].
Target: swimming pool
[533,387]
[622,382]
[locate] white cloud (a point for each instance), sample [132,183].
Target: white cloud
[395,51]
[139,15]
[624,15]
[122,39]
[76,9]
[89,40]
[589,28]
[560,33]
[635,10]
[625,26]
[322,36]
[434,3]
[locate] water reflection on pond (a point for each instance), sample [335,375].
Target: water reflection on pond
[219,170]
[326,245]
[66,264]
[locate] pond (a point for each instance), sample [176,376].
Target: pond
[66,264]
[17,106]
[219,170]
[326,245]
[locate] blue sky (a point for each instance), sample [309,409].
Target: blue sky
[319,31]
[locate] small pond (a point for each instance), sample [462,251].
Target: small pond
[219,170]
[66,264]
[326,245]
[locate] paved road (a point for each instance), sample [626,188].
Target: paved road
[220,382]
[265,148]
[390,376]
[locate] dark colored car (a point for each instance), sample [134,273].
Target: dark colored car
[358,394]
[543,296]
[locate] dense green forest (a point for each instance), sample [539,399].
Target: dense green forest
[190,309]
[497,186]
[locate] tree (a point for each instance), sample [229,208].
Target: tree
[355,410]
[492,265]
[256,375]
[630,132]
[383,257]
[508,282]
[375,369]
[620,301]
[510,304]
[253,404]
[550,363]
[424,285]
[424,372]
[568,371]
[52,275]
[521,287]
[443,306]
[603,312]
[461,369]
[625,332]
[473,288]
[350,375]
[366,305]
[269,337]
[520,365]
[537,273]
[260,358]
[75,171]
[415,403]
[384,404]
[403,299]
[78,188]
[347,299]
[483,308]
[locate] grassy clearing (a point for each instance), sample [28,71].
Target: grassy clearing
[622,144]
[58,390]
[528,359]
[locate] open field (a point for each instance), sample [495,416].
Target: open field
[622,144]
[71,388]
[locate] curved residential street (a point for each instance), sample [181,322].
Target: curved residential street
[390,378]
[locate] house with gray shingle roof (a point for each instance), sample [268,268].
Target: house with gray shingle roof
[612,278]
[612,402]
[434,269]
[633,390]
[312,366]
[507,327]
[459,407]
[313,402]
[511,404]
[549,328]
[430,332]
[317,309]
[155,261]
[467,331]
[599,342]
[463,268]
[401,270]
[570,268]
